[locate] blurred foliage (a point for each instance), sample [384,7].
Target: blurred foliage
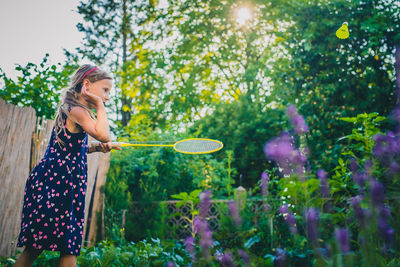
[244,129]
[194,58]
[119,252]
[330,78]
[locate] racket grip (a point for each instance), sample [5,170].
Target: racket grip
[113,145]
[116,144]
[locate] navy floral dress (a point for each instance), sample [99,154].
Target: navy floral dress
[54,200]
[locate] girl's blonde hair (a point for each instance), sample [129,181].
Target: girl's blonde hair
[70,98]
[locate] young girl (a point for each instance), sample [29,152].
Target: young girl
[54,199]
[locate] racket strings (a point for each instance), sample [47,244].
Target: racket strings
[197,146]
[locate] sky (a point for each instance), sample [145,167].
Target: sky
[31,28]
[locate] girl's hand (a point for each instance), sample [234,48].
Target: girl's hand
[106,147]
[89,97]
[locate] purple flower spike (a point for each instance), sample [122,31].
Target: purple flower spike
[244,256]
[360,179]
[312,217]
[298,122]
[284,209]
[170,264]
[197,224]
[359,212]
[280,257]
[385,230]
[226,260]
[264,183]
[324,185]
[189,244]
[289,218]
[205,203]
[282,150]
[342,236]
[201,228]
[353,165]
[377,193]
[234,211]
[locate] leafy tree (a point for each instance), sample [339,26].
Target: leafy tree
[109,27]
[193,56]
[329,77]
[38,86]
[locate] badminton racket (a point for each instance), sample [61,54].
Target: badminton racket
[186,146]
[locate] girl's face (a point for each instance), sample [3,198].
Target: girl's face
[100,88]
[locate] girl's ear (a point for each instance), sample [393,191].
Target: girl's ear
[86,82]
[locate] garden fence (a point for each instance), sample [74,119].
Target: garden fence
[176,216]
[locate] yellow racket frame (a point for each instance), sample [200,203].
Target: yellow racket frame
[123,144]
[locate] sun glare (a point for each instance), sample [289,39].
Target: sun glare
[243,15]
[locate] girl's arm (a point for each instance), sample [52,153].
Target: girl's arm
[97,129]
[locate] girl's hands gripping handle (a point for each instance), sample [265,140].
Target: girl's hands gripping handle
[105,147]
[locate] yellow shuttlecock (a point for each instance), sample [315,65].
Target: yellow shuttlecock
[343,32]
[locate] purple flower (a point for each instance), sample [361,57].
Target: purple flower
[385,230]
[289,218]
[244,256]
[396,115]
[280,257]
[170,264]
[298,122]
[360,178]
[353,165]
[234,211]
[189,244]
[226,260]
[342,236]
[264,183]
[358,211]
[197,224]
[312,217]
[394,168]
[201,227]
[324,186]
[386,147]
[377,193]
[266,207]
[281,150]
[205,203]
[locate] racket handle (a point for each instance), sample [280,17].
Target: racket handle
[116,144]
[113,144]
